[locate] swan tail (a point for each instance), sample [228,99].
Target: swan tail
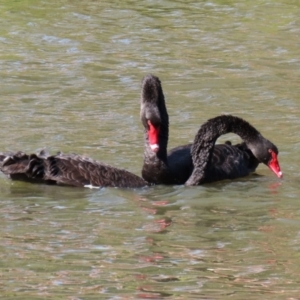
[24,167]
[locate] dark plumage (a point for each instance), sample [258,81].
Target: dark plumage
[65,169]
[255,149]
[225,161]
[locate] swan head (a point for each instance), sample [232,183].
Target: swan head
[151,121]
[267,153]
[153,113]
[152,124]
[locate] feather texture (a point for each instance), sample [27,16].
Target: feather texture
[66,169]
[224,161]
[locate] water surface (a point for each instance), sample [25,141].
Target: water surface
[70,81]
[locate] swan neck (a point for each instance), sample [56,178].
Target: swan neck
[207,136]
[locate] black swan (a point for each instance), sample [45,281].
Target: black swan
[66,169]
[176,167]
[262,150]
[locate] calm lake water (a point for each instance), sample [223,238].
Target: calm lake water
[70,80]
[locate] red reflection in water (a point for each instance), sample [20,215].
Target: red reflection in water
[151,258]
[160,203]
[273,187]
[164,223]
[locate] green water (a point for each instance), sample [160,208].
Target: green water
[70,80]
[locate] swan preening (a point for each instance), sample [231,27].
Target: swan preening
[192,164]
[246,157]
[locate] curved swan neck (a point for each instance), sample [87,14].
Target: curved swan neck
[206,138]
[227,123]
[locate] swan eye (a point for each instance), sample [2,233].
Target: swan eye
[270,156]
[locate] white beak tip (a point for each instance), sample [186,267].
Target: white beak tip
[154,147]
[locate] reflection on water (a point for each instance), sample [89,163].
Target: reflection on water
[70,80]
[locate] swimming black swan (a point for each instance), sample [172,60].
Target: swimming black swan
[176,167]
[260,150]
[66,169]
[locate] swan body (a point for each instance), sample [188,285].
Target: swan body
[255,147]
[177,165]
[66,169]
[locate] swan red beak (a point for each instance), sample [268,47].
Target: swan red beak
[274,164]
[153,133]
